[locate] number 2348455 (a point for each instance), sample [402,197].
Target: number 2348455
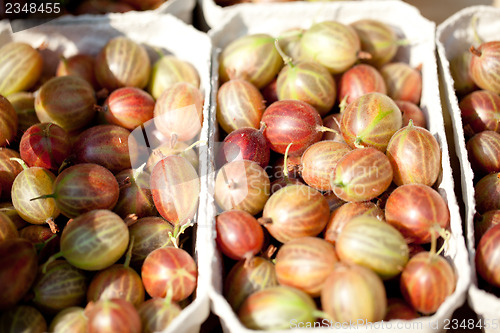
[32,8]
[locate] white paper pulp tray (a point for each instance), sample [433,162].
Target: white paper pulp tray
[88,34]
[216,15]
[408,22]
[454,36]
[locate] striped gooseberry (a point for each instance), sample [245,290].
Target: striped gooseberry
[361,175]
[402,81]
[58,287]
[175,187]
[178,112]
[169,270]
[45,145]
[117,281]
[16,55]
[484,66]
[332,44]
[239,104]
[239,235]
[378,39]
[243,185]
[487,193]
[292,121]
[426,281]
[247,277]
[169,70]
[415,156]
[276,308]
[157,313]
[95,240]
[305,263]
[112,315]
[375,244]
[352,293]
[483,151]
[67,101]
[480,111]
[416,210]
[19,261]
[122,63]
[32,183]
[106,145]
[360,80]
[295,211]
[246,143]
[129,107]
[486,254]
[251,57]
[370,121]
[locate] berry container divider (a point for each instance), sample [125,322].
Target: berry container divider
[453,36]
[88,34]
[408,22]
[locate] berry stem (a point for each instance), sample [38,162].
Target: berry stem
[363,55]
[51,259]
[285,163]
[46,196]
[322,314]
[20,161]
[197,143]
[271,249]
[40,246]
[326,129]
[286,59]
[402,42]
[343,103]
[130,219]
[265,220]
[52,225]
[475,51]
[128,256]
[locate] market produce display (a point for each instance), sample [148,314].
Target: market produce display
[323,260]
[113,248]
[471,71]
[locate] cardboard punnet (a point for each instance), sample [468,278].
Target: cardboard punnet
[215,15]
[408,23]
[88,34]
[455,35]
[182,9]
